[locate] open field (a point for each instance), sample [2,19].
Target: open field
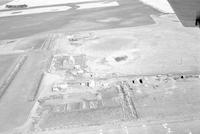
[30,44]
[135,128]
[149,49]
[22,44]
[179,101]
[15,105]
[7,63]
[83,118]
[11,76]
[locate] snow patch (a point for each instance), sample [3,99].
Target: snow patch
[111,19]
[97,5]
[161,5]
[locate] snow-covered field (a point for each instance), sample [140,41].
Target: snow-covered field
[34,11]
[97,4]
[162,5]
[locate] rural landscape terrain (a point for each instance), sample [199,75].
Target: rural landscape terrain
[99,67]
